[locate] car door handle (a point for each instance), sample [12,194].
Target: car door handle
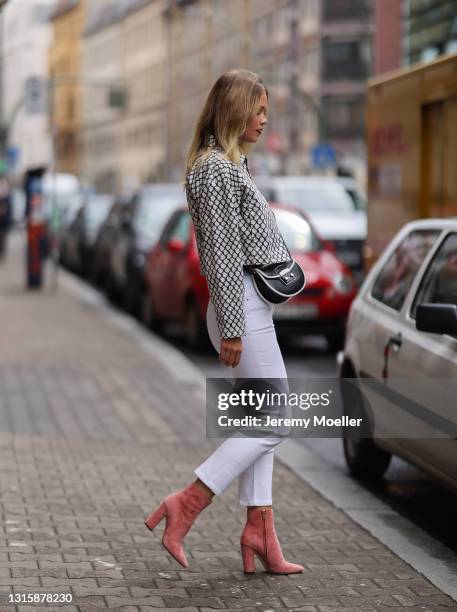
[396,341]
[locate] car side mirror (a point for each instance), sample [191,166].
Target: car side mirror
[175,245]
[437,318]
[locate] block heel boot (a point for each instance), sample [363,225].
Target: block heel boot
[259,538]
[180,510]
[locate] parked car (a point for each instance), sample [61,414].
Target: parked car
[403,327]
[79,238]
[104,243]
[143,220]
[323,305]
[335,206]
[178,292]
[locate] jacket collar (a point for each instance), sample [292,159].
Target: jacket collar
[213,144]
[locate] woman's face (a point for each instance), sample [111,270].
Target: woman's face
[257,123]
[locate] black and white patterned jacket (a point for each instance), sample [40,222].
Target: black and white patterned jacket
[234,226]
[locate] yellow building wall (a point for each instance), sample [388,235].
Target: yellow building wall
[65,66]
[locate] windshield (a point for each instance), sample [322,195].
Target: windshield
[296,231]
[97,209]
[152,215]
[325,199]
[358,199]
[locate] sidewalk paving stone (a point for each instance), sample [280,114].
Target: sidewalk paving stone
[94,432]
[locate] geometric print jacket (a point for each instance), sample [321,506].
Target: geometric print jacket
[234,226]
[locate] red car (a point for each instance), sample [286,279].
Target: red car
[177,292]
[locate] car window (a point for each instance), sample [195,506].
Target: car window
[358,200]
[97,208]
[177,227]
[395,278]
[180,230]
[151,214]
[439,285]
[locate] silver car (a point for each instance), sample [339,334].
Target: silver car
[401,346]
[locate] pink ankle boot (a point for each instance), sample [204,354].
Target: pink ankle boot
[259,538]
[180,509]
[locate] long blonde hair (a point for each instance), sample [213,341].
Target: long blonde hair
[229,107]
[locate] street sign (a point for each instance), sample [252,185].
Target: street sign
[323,155]
[36,95]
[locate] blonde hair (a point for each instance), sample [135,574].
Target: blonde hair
[229,107]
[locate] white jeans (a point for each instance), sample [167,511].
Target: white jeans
[250,459]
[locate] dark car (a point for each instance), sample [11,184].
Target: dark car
[80,237]
[143,220]
[99,270]
[177,292]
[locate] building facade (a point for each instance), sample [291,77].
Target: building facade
[346,60]
[430,29]
[102,61]
[388,35]
[65,68]
[124,48]
[144,71]
[315,56]
[26,36]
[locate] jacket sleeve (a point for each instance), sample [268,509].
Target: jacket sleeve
[222,249]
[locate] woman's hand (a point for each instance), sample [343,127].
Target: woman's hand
[230,353]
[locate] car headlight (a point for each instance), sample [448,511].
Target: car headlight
[342,283]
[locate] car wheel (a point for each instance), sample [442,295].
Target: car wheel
[365,460]
[196,332]
[148,315]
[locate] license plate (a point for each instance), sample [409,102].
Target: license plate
[295,311]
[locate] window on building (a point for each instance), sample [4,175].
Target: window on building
[346,59]
[338,10]
[344,115]
[430,26]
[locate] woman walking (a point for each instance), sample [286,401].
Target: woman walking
[234,228]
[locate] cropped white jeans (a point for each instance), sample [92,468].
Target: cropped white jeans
[249,459]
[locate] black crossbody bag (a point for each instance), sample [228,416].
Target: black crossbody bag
[278,282]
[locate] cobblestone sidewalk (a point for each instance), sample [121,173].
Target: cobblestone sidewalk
[94,431]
